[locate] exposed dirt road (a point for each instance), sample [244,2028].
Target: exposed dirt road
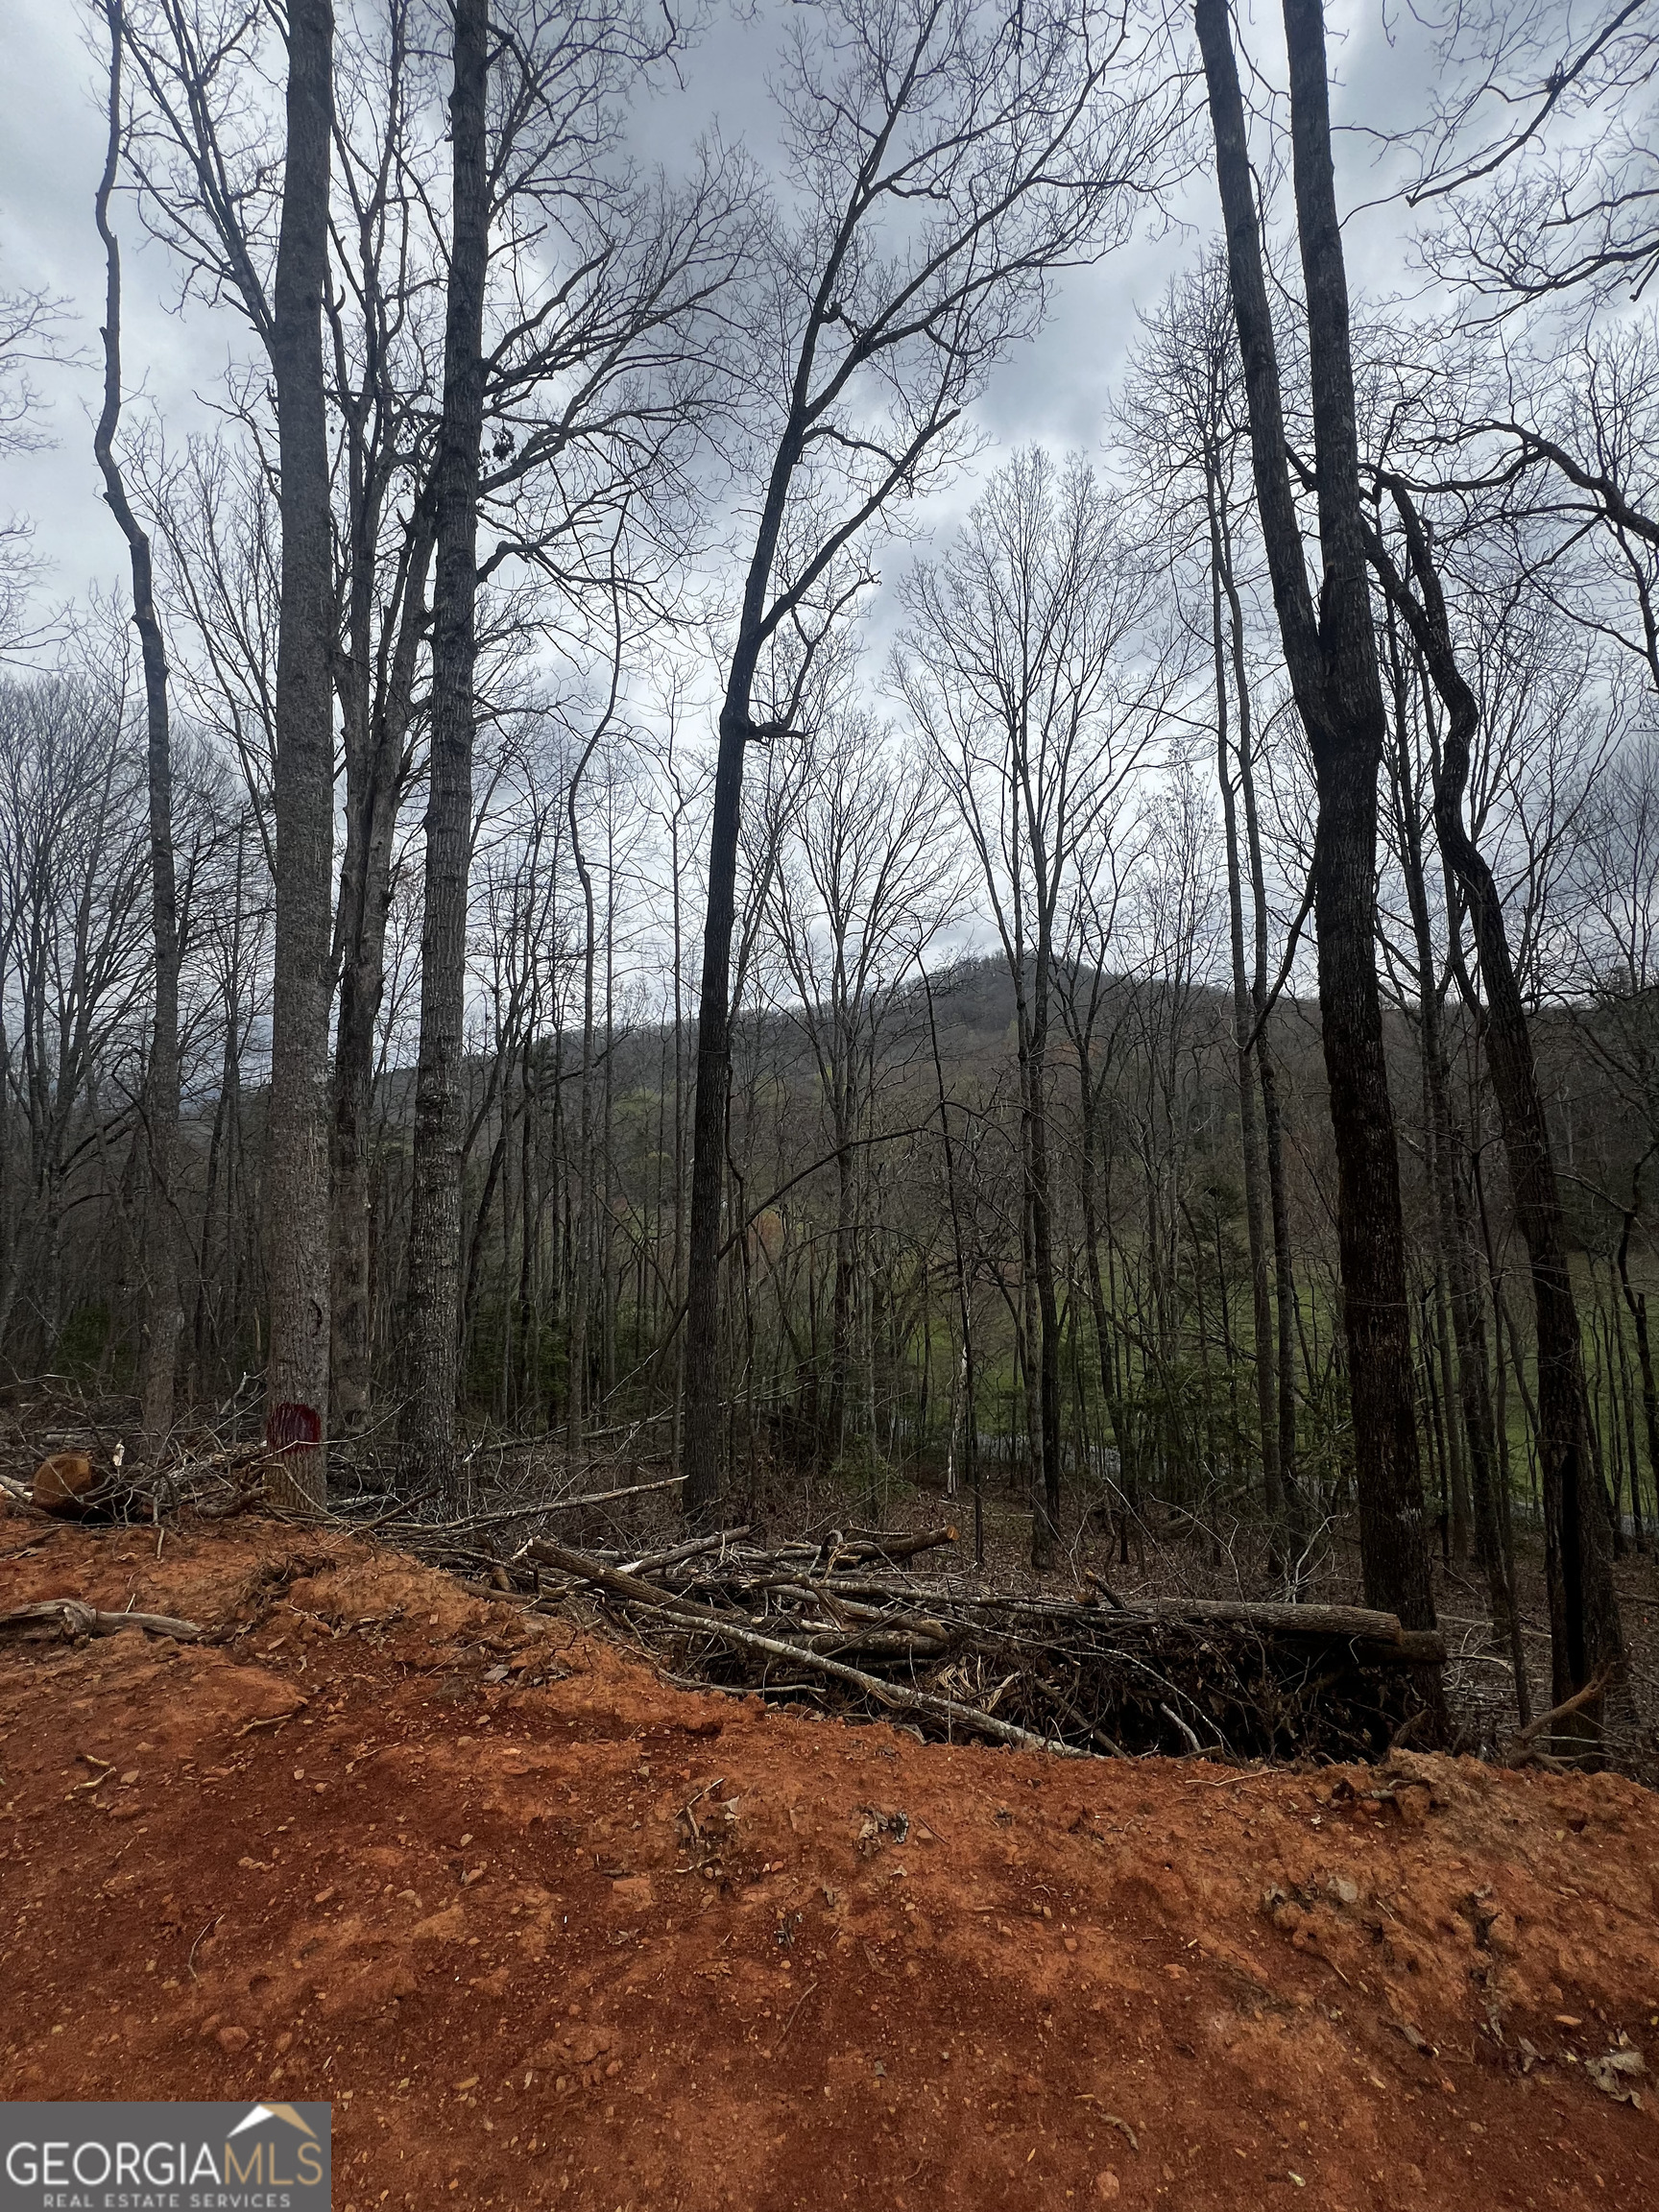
[550,1932]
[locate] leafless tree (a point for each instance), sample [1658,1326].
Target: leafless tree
[943,164]
[589,390]
[1586,1632]
[1019,670]
[246,208]
[297,1122]
[1537,164]
[1330,652]
[435,1217]
[31,339]
[73,872]
[1183,409]
[865,881]
[163,1315]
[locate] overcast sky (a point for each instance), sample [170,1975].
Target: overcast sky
[50,150]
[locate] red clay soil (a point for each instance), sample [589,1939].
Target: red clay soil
[550,1932]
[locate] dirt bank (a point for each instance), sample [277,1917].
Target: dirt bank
[549,1930]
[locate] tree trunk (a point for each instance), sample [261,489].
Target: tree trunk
[435,1213]
[1453,1228]
[1627,1386]
[1046,1483]
[1243,1022]
[374,757]
[842,1292]
[297,1122]
[1636,1301]
[1332,657]
[1272,1113]
[164,1310]
[964,1291]
[1585,1629]
[701,1400]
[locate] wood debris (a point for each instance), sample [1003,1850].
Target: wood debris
[848,1625]
[71,1618]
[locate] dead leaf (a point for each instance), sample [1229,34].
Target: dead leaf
[878,1827]
[1615,2073]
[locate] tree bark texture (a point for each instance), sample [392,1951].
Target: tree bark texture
[433,1335]
[1454,1224]
[1636,1301]
[374,770]
[295,1192]
[1243,1021]
[701,1396]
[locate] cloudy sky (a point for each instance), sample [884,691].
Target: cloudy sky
[50,150]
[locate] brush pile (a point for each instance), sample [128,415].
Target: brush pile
[848,1626]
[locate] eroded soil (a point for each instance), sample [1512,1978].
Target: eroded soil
[551,1931]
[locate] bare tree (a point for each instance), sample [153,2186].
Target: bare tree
[297,1160]
[1586,1633]
[30,338]
[377,309]
[943,169]
[435,1219]
[1330,652]
[204,156]
[864,881]
[1537,162]
[1183,408]
[73,868]
[1016,666]
[213,512]
[164,1312]
[591,394]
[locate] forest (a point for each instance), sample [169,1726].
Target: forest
[629,866]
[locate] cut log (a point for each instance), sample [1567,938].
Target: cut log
[78,1619]
[869,1644]
[61,1482]
[860,1545]
[1357,1623]
[18,1498]
[652,1562]
[1268,1615]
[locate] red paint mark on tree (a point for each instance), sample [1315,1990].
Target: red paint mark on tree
[293,1427]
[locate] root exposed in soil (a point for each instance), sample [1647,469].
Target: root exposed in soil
[549,1930]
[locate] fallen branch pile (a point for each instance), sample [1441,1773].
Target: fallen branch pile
[847,1625]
